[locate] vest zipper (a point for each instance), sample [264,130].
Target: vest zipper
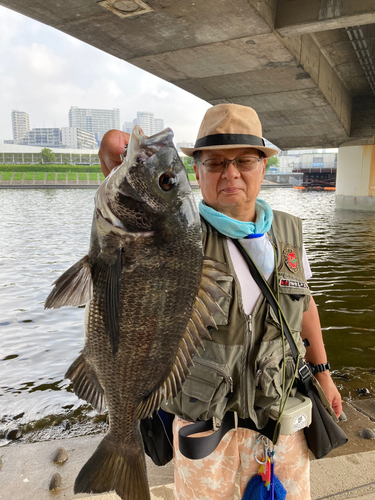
[247,369]
[211,364]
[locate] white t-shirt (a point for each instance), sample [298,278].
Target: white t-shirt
[261,251]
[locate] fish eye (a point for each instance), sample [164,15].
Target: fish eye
[166,181]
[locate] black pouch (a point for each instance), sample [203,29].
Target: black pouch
[323,434]
[158,437]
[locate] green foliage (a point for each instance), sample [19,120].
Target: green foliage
[101,177]
[29,176]
[61,177]
[48,156]
[51,176]
[188,163]
[72,176]
[50,168]
[272,162]
[82,177]
[93,177]
[192,177]
[40,176]
[7,176]
[18,176]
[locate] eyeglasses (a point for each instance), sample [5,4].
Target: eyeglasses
[243,164]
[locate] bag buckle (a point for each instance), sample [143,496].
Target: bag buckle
[304,373]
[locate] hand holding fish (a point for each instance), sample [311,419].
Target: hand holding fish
[112,146]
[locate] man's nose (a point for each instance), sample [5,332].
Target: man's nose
[230,170]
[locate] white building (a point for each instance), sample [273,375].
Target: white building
[148,123]
[17,154]
[97,121]
[43,137]
[77,138]
[20,125]
[158,125]
[127,127]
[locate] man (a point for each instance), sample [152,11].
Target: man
[230,159]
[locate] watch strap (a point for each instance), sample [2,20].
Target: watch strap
[319,368]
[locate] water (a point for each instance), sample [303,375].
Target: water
[43,232]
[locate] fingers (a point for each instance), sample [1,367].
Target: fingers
[112,146]
[337,405]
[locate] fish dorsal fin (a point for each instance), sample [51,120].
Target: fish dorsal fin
[73,288]
[107,278]
[205,305]
[86,384]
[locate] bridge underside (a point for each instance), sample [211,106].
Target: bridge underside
[304,65]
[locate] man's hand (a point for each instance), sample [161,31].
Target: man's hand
[112,146]
[331,391]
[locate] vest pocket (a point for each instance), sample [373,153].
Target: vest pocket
[205,391]
[269,379]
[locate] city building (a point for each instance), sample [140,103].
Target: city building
[44,137]
[308,158]
[148,123]
[20,125]
[158,125]
[18,154]
[127,127]
[97,121]
[77,138]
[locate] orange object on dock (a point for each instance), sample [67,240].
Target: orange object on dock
[298,187]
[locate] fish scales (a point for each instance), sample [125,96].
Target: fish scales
[140,282]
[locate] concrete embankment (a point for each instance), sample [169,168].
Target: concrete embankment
[348,472]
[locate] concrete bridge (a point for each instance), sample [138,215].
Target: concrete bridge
[306,66]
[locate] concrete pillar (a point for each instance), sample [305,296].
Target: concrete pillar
[355,181]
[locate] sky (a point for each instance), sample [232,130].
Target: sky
[44,72]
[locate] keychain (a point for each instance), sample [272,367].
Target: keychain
[265,485]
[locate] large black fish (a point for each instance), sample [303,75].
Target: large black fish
[149,295]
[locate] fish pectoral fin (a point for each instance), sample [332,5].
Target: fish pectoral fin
[205,305]
[107,277]
[86,384]
[73,288]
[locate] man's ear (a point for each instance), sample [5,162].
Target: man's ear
[196,170]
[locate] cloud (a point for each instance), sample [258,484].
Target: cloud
[44,72]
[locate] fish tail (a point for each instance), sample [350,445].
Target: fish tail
[113,468]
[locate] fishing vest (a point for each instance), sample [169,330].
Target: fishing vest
[241,368]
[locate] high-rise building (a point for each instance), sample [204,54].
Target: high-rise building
[20,125]
[148,123]
[97,121]
[44,137]
[158,125]
[127,127]
[77,138]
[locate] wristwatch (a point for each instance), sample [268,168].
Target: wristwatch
[319,368]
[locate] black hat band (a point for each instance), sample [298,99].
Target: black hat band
[226,139]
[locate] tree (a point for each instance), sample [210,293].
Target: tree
[48,156]
[272,162]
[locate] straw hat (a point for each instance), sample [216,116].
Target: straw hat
[229,126]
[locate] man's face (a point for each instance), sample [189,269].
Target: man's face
[231,192]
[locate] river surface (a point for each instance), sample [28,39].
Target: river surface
[43,232]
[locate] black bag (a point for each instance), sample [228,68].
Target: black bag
[158,437]
[323,434]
